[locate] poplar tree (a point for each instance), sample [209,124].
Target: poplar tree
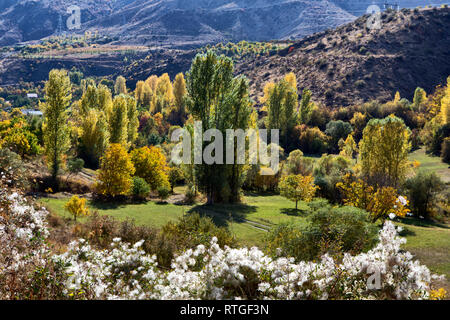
[220,101]
[55,128]
[118,125]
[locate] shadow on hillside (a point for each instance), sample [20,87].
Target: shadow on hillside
[222,214]
[424,223]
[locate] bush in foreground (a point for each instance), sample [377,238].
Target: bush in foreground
[29,270]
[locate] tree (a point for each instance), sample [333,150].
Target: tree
[348,148]
[179,92]
[297,164]
[282,107]
[220,101]
[75,166]
[445,104]
[337,130]
[140,189]
[94,138]
[77,207]
[120,87]
[118,126]
[305,108]
[55,128]
[423,189]
[115,174]
[298,188]
[133,121]
[164,94]
[384,151]
[150,164]
[380,202]
[420,99]
[175,175]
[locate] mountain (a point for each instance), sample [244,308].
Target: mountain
[353,64]
[181,22]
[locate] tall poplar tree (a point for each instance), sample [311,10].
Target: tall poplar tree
[55,128]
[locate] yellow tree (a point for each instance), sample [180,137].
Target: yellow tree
[150,164]
[298,188]
[77,207]
[164,93]
[384,151]
[349,147]
[115,174]
[445,104]
[94,138]
[138,93]
[179,92]
[380,203]
[291,79]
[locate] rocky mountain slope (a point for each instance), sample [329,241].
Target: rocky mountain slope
[353,64]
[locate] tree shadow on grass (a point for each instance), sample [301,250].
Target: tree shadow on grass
[423,223]
[294,212]
[222,214]
[101,205]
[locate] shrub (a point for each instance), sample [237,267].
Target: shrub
[163,192]
[12,169]
[193,229]
[337,130]
[329,230]
[140,189]
[360,84]
[313,141]
[190,195]
[150,164]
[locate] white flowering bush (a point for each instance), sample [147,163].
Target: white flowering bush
[125,271]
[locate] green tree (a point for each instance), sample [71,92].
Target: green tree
[337,130]
[305,108]
[118,126]
[133,121]
[220,101]
[120,87]
[423,189]
[55,128]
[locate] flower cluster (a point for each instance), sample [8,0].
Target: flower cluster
[125,271]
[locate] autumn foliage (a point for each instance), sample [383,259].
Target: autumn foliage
[115,176]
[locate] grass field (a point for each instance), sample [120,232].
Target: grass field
[431,164]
